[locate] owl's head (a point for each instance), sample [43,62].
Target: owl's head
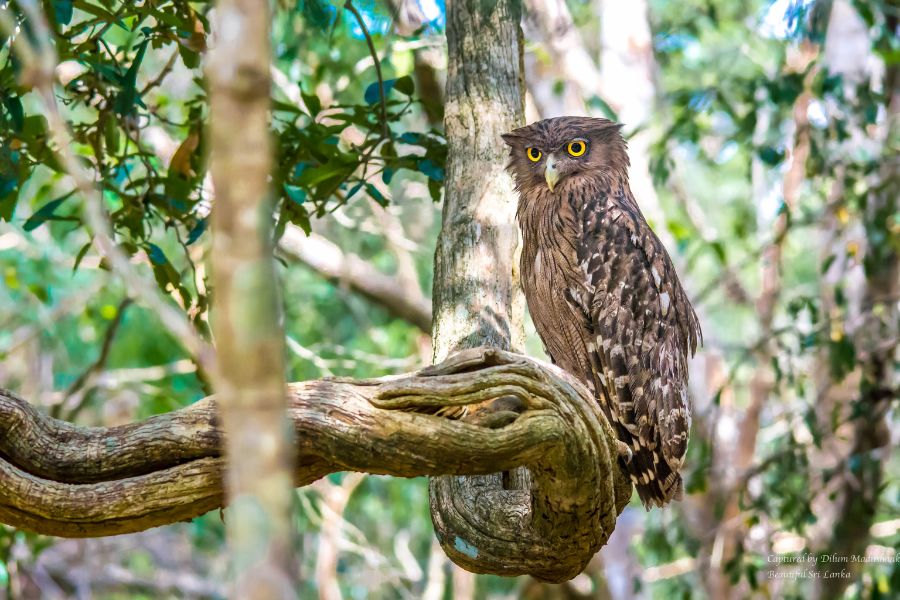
[562,152]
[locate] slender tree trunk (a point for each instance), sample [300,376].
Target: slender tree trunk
[247,319]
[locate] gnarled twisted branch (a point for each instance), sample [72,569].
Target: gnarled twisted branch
[61,479]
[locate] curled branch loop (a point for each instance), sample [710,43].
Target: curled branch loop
[61,479]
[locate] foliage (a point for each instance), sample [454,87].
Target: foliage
[114,62]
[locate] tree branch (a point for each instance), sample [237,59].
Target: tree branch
[60,479]
[326,258]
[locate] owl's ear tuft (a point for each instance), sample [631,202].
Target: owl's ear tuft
[610,126]
[511,139]
[609,131]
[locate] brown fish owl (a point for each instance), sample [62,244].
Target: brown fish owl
[603,292]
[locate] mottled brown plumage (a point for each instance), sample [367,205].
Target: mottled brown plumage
[603,292]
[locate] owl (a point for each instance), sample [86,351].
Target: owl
[603,293]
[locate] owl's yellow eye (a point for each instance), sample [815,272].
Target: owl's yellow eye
[576,148]
[534,154]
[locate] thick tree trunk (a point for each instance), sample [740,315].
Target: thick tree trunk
[477,298]
[246,316]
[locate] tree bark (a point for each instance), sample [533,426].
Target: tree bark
[246,318]
[477,298]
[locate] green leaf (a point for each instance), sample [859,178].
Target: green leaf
[434,188]
[45,213]
[111,135]
[190,58]
[296,194]
[377,195]
[786,89]
[34,126]
[430,169]
[719,248]
[8,174]
[318,13]
[278,230]
[314,176]
[157,256]
[81,254]
[278,105]
[9,182]
[770,155]
[842,358]
[62,11]
[679,230]
[8,204]
[405,85]
[195,232]
[101,13]
[373,94]
[312,103]
[128,96]
[13,106]
[353,191]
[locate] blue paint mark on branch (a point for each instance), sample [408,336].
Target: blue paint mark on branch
[465,547]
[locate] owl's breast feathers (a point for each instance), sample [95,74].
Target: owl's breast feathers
[609,307]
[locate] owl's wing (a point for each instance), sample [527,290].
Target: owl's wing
[644,327]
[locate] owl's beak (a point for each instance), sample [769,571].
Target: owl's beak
[550,173]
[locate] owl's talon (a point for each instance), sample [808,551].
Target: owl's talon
[624,451]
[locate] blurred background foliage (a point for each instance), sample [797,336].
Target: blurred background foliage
[764,134]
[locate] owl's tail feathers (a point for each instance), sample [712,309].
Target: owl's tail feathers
[656,482]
